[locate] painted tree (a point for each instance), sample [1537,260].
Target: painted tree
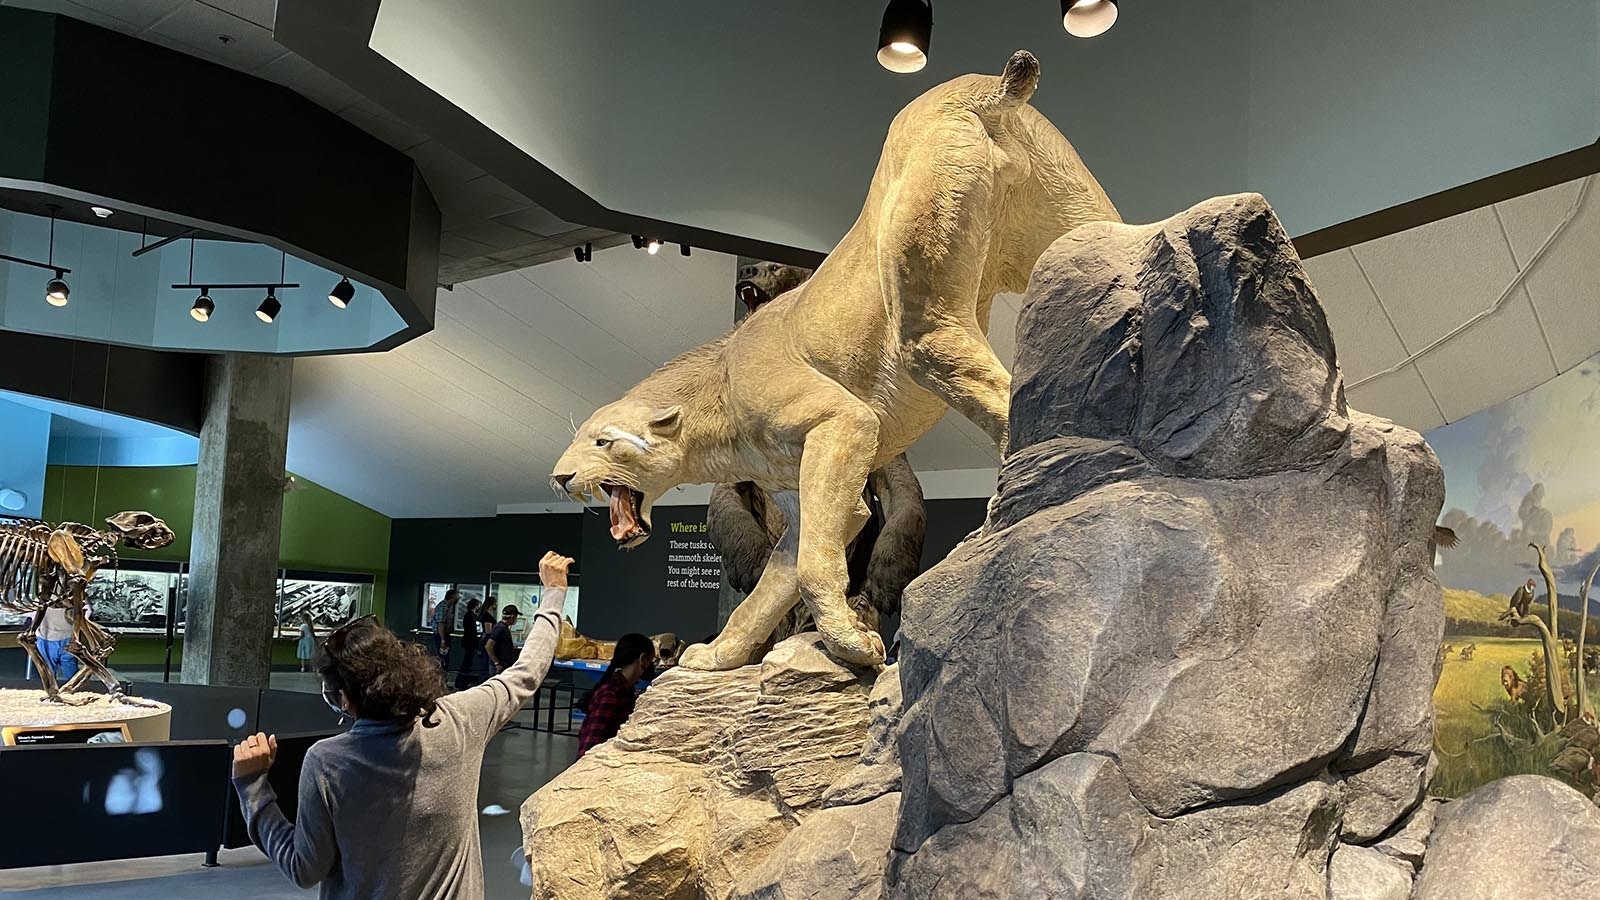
[1548,637]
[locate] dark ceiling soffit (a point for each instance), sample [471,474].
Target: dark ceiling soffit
[337,37]
[158,386]
[1535,176]
[289,162]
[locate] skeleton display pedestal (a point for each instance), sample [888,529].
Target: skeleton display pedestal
[21,707]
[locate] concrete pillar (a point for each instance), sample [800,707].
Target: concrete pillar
[238,512]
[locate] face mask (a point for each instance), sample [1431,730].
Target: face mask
[331,697]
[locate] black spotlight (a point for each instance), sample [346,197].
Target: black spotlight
[683,249]
[638,242]
[203,306]
[584,253]
[56,290]
[342,293]
[269,308]
[903,39]
[1088,18]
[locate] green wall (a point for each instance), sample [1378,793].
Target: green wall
[322,530]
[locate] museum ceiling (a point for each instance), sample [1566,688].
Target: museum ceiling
[707,133]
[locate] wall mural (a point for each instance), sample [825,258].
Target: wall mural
[1520,474]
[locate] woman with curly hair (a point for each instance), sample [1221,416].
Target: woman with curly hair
[389,809]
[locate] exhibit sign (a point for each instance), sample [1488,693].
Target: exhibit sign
[692,562]
[65,733]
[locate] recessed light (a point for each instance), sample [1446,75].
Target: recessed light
[904,37]
[100,211]
[1088,18]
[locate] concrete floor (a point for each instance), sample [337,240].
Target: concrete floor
[516,763]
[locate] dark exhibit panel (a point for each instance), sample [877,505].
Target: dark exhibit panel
[284,776]
[467,551]
[85,802]
[949,523]
[668,583]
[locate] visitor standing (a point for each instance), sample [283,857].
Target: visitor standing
[307,647]
[389,808]
[55,632]
[500,648]
[444,616]
[470,624]
[612,701]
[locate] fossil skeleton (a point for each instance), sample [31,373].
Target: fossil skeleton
[44,566]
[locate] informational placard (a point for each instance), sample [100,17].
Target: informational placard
[692,562]
[667,583]
[69,733]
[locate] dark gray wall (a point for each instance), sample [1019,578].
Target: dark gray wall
[468,550]
[622,591]
[629,590]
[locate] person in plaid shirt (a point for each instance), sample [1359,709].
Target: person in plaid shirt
[612,701]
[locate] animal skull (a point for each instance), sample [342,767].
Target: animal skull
[141,530]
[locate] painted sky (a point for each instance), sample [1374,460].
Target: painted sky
[1495,461]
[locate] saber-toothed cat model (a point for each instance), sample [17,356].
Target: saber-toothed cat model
[840,375]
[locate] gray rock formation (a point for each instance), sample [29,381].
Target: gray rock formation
[1196,640]
[1526,836]
[1361,873]
[836,854]
[712,771]
[878,770]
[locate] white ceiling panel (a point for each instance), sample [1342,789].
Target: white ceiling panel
[1499,357]
[1529,220]
[374,120]
[200,30]
[304,78]
[1565,283]
[1363,336]
[1400,397]
[1436,276]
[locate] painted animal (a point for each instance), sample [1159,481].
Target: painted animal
[1468,651]
[44,566]
[1516,689]
[841,375]
[1521,599]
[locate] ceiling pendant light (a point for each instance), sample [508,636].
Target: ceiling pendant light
[1088,18]
[342,293]
[203,306]
[269,308]
[903,39]
[56,290]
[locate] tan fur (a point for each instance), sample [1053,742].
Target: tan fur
[842,374]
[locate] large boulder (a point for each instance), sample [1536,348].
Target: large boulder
[712,771]
[1195,641]
[836,854]
[1527,836]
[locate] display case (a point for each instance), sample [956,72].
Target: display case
[433,594]
[137,597]
[523,589]
[329,598]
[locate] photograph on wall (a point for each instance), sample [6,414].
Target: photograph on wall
[1523,502]
[329,603]
[130,598]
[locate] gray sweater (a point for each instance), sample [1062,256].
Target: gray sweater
[390,810]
